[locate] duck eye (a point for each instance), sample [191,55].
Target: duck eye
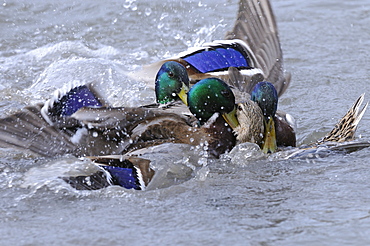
[170,74]
[226,93]
[240,108]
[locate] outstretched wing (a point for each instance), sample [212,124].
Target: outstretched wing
[69,99]
[256,26]
[27,130]
[46,129]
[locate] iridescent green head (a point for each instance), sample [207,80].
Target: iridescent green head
[212,95]
[171,83]
[265,95]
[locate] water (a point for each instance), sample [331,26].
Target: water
[241,199]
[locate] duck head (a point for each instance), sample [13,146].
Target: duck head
[265,95]
[210,96]
[171,83]
[207,100]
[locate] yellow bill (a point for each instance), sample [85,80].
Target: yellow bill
[231,119]
[269,142]
[183,94]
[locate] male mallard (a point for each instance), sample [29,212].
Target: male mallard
[256,113]
[171,83]
[278,129]
[135,173]
[251,53]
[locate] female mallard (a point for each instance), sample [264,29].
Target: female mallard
[251,53]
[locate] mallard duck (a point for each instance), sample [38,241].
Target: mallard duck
[250,53]
[256,112]
[135,172]
[70,124]
[79,122]
[171,83]
[279,130]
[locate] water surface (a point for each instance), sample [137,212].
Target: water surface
[241,199]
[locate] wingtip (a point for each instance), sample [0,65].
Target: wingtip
[359,113]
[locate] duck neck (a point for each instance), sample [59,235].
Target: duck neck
[222,138]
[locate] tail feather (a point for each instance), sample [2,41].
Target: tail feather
[345,129]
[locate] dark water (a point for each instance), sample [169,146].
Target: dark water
[241,199]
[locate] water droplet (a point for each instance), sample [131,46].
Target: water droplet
[164,15]
[148,11]
[202,161]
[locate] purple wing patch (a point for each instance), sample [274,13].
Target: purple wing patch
[124,176]
[75,99]
[214,59]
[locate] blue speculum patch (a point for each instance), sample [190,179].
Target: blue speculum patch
[125,177]
[216,59]
[77,98]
